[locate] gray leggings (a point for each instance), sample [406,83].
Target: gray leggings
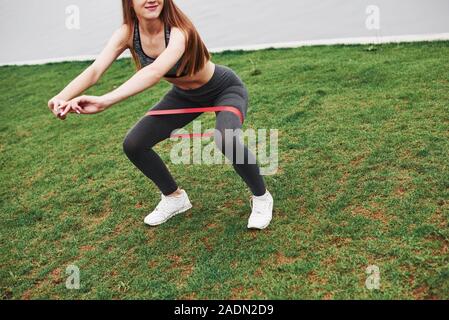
[224,89]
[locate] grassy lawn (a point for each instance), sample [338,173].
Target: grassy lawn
[363,180]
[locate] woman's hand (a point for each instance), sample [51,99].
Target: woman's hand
[85,105]
[55,104]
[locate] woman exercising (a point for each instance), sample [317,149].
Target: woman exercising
[165,44]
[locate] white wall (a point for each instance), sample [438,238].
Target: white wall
[34,31]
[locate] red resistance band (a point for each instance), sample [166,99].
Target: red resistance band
[232,109]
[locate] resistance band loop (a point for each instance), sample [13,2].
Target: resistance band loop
[232,109]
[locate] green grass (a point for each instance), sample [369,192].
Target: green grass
[363,180]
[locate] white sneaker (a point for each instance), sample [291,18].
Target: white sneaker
[167,208]
[262,211]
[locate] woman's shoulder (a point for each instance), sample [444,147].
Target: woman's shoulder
[125,29]
[178,33]
[123,33]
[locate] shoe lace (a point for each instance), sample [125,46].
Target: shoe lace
[257,206]
[163,205]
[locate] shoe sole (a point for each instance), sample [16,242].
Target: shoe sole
[171,216]
[260,228]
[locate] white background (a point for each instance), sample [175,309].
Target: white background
[35,30]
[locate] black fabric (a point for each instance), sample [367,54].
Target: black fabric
[225,88]
[147,60]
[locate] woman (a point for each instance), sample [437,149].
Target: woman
[165,44]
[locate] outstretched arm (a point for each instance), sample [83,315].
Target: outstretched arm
[153,73]
[145,78]
[114,48]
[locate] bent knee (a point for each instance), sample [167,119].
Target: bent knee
[131,146]
[226,141]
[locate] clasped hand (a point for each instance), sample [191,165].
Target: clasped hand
[80,105]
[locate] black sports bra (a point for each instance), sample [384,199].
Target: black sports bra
[146,60]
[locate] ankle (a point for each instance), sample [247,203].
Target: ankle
[177,193]
[262,196]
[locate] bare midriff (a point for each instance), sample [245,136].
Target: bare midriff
[198,80]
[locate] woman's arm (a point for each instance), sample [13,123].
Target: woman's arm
[150,75]
[143,79]
[114,48]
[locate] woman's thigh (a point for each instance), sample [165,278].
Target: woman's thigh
[151,129]
[173,100]
[235,95]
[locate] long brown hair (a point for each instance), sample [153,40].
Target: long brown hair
[196,54]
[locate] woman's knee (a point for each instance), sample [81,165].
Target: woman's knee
[228,142]
[132,145]
[144,135]
[220,138]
